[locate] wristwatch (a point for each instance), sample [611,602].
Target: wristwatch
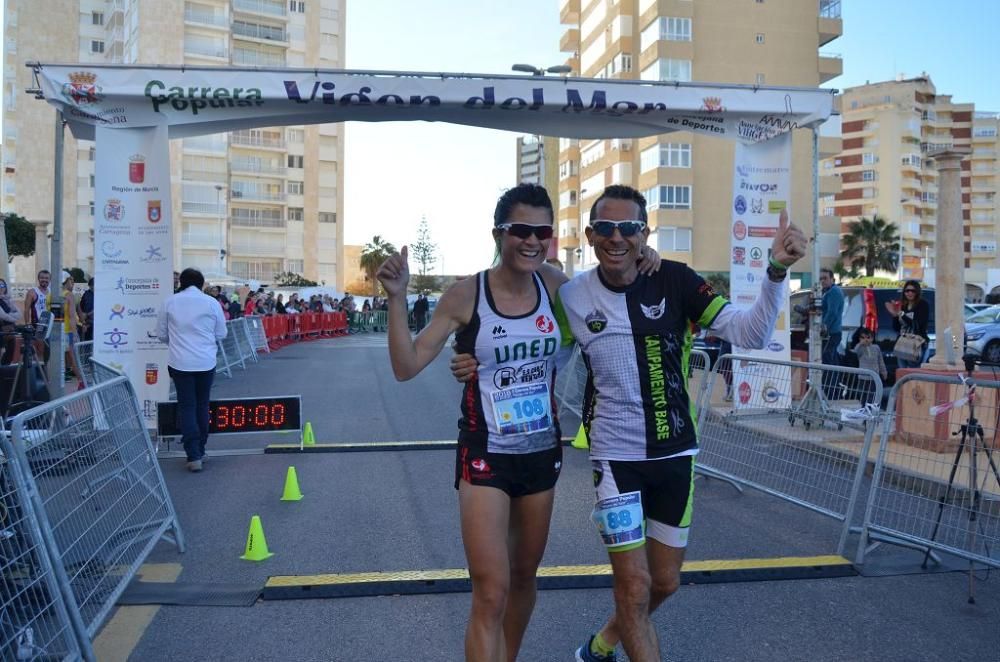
[776,275]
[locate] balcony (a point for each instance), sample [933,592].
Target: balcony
[197,208]
[830,25]
[259,140]
[202,18]
[569,12]
[570,41]
[830,185]
[204,48]
[830,146]
[911,183]
[263,7]
[251,58]
[267,33]
[830,66]
[215,144]
[209,240]
[258,222]
[256,167]
[255,194]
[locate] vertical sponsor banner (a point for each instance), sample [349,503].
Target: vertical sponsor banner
[133,256]
[761,189]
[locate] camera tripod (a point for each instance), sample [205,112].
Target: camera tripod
[971,438]
[25,380]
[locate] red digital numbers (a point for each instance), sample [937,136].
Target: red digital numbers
[263,416]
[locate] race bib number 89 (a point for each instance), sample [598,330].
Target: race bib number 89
[619,519]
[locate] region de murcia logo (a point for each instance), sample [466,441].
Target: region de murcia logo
[654,312]
[114,210]
[82,88]
[137,169]
[152,373]
[596,321]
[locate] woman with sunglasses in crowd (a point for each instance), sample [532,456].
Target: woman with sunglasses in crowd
[911,315]
[509,453]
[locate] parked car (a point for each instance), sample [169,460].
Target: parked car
[982,336]
[973,308]
[863,306]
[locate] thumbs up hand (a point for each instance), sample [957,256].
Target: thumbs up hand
[789,243]
[394,274]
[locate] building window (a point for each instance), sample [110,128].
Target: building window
[665,28]
[668,69]
[92,154]
[296,136]
[298,6]
[295,214]
[759,38]
[295,188]
[868,175]
[327,217]
[868,158]
[295,266]
[91,207]
[97,18]
[677,240]
[91,181]
[96,46]
[670,155]
[668,197]
[295,161]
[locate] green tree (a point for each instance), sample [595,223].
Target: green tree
[290,279]
[20,235]
[373,254]
[871,244]
[424,252]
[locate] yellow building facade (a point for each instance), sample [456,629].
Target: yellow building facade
[686,178]
[270,198]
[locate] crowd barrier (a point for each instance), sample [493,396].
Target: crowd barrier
[255,329]
[794,430]
[280,330]
[85,475]
[936,482]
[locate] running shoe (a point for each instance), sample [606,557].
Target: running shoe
[584,654]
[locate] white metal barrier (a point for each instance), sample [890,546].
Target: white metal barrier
[750,432]
[99,498]
[936,484]
[258,337]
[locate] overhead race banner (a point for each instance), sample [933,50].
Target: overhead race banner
[133,257]
[196,101]
[761,189]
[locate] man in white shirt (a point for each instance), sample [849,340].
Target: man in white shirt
[191,323]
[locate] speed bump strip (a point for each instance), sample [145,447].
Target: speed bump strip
[373,447]
[415,582]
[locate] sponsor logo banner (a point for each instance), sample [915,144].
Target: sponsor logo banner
[761,172]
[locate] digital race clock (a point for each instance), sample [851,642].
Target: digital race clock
[238,415]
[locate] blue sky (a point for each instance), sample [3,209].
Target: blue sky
[397,172]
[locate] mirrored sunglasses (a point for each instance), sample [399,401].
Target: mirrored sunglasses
[626,228]
[525,230]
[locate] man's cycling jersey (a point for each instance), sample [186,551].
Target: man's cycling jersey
[510,406]
[636,341]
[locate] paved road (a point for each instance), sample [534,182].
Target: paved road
[389,511]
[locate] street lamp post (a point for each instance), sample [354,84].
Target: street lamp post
[222,229]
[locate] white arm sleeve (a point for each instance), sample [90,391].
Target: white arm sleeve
[752,328]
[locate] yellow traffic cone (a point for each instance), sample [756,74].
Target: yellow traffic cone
[256,544]
[308,438]
[292,491]
[580,440]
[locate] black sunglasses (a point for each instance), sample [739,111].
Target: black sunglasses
[525,230]
[626,228]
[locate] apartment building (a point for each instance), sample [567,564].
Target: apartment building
[889,128]
[537,163]
[250,203]
[686,178]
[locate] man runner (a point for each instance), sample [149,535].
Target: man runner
[635,334]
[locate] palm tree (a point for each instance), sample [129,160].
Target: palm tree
[871,244]
[374,253]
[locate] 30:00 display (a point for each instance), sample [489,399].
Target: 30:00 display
[236,417]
